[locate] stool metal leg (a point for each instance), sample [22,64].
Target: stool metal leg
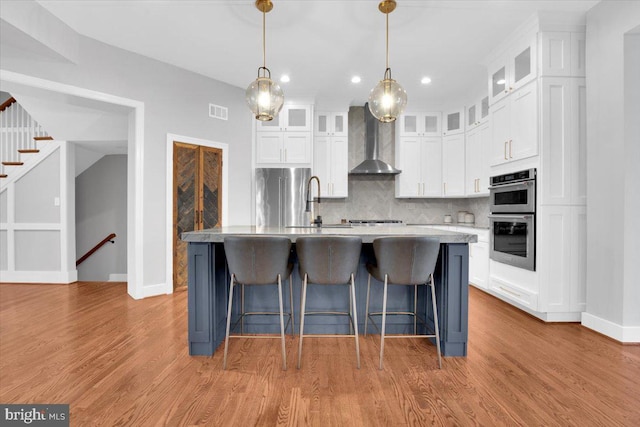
[226,339]
[435,320]
[415,309]
[291,305]
[351,315]
[284,349]
[302,307]
[355,319]
[384,321]
[366,310]
[241,309]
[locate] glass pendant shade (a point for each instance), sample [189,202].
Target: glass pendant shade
[264,97]
[387,99]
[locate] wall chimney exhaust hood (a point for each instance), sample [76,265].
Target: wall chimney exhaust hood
[371,164]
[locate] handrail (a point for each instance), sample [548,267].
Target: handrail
[109,238]
[6,104]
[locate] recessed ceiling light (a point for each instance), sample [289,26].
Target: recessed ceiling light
[285,78]
[501,82]
[425,80]
[355,79]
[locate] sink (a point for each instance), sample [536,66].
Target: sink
[322,226]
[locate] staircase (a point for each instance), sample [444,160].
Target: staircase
[21,137]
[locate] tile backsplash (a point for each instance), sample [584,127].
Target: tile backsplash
[373,196]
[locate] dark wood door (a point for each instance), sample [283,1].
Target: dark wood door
[197,201]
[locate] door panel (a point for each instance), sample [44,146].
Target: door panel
[197,199]
[185,196]
[210,177]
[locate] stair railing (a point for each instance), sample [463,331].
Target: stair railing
[109,238]
[17,131]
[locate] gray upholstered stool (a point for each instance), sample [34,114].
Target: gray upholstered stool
[258,260]
[330,260]
[404,260]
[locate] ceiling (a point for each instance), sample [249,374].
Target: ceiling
[321,44]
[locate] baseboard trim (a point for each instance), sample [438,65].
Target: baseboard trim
[151,291]
[624,334]
[116,277]
[54,277]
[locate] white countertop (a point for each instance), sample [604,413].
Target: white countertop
[367,233]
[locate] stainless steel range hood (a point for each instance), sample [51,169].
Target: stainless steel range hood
[371,164]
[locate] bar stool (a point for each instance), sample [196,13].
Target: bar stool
[404,260]
[258,260]
[331,260]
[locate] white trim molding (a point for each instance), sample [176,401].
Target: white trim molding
[624,334]
[135,170]
[169,192]
[40,277]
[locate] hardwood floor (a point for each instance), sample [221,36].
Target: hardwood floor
[118,361]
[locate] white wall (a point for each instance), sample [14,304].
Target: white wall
[101,209]
[175,101]
[631,305]
[612,156]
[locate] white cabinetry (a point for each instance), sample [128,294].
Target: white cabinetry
[420,124]
[330,164]
[331,124]
[562,176]
[453,122]
[286,139]
[562,54]
[420,160]
[478,258]
[477,161]
[283,148]
[292,118]
[514,69]
[477,114]
[453,165]
[562,263]
[514,124]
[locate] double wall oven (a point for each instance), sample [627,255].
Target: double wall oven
[512,200]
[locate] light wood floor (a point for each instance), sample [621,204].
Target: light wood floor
[118,361]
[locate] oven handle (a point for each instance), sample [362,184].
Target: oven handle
[510,216]
[511,184]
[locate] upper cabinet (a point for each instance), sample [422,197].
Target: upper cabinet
[563,54]
[285,140]
[477,161]
[453,122]
[420,159]
[292,118]
[331,153]
[453,165]
[330,165]
[513,70]
[514,126]
[477,114]
[331,124]
[420,124]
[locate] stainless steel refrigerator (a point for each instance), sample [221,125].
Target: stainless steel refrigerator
[281,196]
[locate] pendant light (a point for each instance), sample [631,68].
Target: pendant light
[264,96]
[387,99]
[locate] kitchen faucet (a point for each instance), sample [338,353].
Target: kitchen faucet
[318,220]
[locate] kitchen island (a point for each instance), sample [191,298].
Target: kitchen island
[209,281]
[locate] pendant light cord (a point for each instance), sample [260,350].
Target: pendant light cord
[264,43]
[387,15]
